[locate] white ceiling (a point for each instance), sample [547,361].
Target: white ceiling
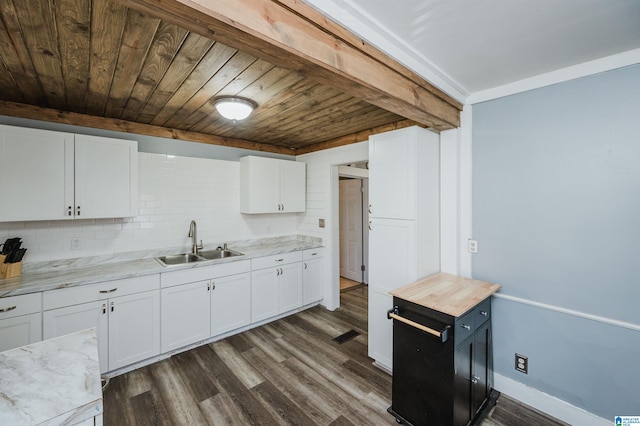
[469,46]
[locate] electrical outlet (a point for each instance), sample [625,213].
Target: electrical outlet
[320,223]
[75,244]
[522,364]
[473,246]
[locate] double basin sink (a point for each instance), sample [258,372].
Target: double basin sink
[201,256]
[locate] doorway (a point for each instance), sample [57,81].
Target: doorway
[353,230]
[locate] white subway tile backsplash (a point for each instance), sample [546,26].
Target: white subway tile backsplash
[172,192]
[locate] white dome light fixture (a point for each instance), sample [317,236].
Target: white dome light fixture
[234,108]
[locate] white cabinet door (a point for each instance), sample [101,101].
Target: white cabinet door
[58,322]
[293,186]
[20,331]
[312,280]
[106,177]
[392,253]
[185,315]
[269,185]
[36,174]
[289,287]
[230,303]
[392,174]
[134,328]
[264,294]
[380,329]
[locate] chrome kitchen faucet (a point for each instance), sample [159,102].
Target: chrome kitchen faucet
[193,233]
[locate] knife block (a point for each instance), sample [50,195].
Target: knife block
[9,270]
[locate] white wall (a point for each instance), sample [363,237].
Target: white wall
[322,203]
[172,192]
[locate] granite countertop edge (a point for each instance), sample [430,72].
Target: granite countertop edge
[58,277]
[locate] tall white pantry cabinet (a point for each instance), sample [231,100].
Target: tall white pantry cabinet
[404,223]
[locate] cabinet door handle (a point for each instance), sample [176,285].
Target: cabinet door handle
[474,379]
[305,265]
[111,306]
[395,314]
[8,309]
[213,285]
[466,327]
[78,212]
[109,291]
[370,226]
[369,208]
[69,211]
[483,313]
[104,308]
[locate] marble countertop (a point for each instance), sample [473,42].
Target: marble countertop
[74,272]
[53,382]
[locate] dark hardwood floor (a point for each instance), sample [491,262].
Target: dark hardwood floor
[290,371]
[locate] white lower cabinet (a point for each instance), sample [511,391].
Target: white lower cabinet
[204,302]
[312,275]
[185,314]
[125,313]
[276,285]
[20,321]
[380,342]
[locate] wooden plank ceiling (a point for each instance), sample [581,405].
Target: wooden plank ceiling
[99,63]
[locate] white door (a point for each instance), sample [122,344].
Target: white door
[351,229]
[185,315]
[20,331]
[289,287]
[36,174]
[58,322]
[134,328]
[105,170]
[264,294]
[230,303]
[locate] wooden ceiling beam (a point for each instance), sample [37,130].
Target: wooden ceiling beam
[291,35]
[32,112]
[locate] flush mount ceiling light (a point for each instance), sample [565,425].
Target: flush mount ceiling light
[234,108]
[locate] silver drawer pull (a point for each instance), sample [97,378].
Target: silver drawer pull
[8,309]
[109,291]
[313,254]
[279,260]
[483,313]
[466,327]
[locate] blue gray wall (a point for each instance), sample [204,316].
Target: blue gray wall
[556,211]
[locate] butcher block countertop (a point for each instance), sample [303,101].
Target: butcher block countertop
[446,293]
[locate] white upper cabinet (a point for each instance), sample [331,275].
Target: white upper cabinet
[392,174]
[269,185]
[46,175]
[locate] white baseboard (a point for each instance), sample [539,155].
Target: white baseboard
[546,403]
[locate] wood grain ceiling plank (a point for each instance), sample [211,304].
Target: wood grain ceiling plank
[165,45]
[73,20]
[360,136]
[138,34]
[108,20]
[273,32]
[10,90]
[15,55]
[14,109]
[191,53]
[37,26]
[323,22]
[215,58]
[183,118]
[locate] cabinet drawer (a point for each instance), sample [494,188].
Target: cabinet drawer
[276,260]
[89,293]
[464,326]
[482,312]
[313,253]
[168,279]
[20,305]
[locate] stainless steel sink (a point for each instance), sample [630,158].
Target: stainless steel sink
[202,256]
[218,254]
